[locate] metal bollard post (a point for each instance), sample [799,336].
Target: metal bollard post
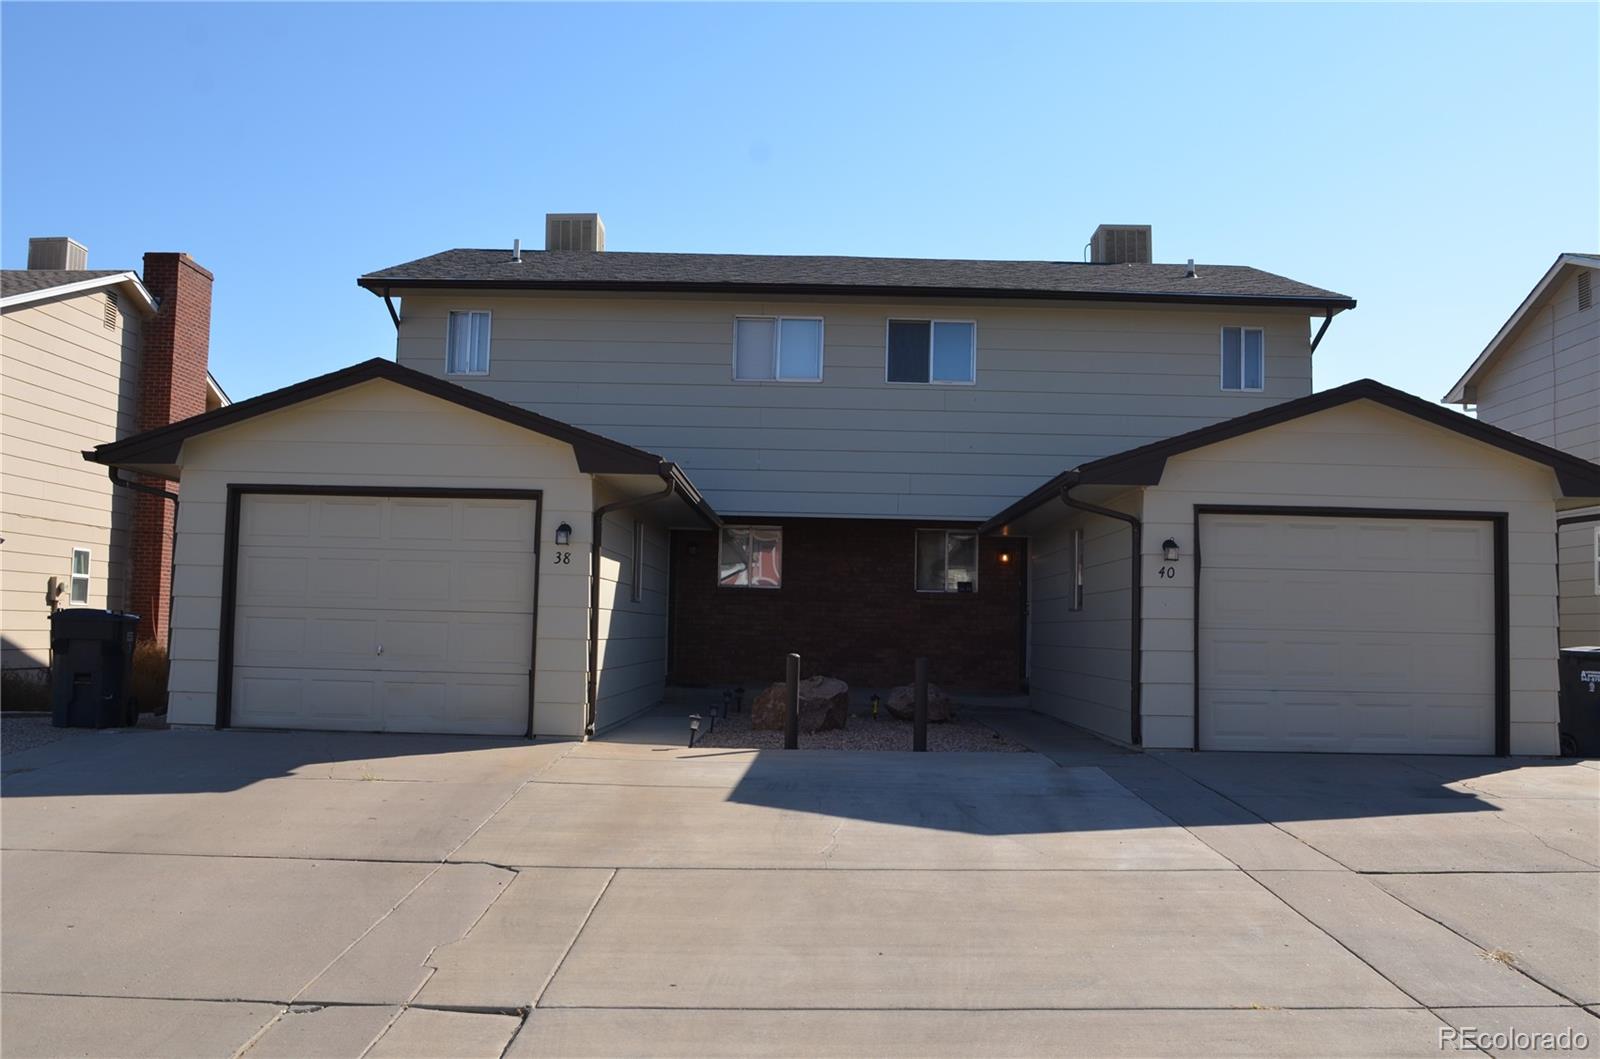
[791,717]
[919,715]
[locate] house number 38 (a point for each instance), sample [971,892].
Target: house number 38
[563,558]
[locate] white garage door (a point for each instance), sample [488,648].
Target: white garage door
[399,614]
[1346,634]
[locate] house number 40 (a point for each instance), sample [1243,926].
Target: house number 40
[1168,572]
[563,558]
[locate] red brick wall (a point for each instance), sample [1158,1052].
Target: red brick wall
[849,606]
[172,386]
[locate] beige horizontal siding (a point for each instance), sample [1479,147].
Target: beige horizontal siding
[1580,602]
[67,383]
[1064,384]
[1545,384]
[632,645]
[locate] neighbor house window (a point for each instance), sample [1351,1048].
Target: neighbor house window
[636,590]
[467,344]
[78,583]
[750,557]
[1077,570]
[947,561]
[786,348]
[1244,358]
[940,351]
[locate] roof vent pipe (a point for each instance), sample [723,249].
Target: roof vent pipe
[1190,272]
[516,249]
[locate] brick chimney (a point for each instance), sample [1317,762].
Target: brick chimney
[172,386]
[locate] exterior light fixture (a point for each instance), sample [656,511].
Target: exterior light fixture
[1169,550]
[1005,557]
[694,726]
[563,534]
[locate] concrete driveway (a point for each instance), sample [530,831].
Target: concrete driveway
[217,894]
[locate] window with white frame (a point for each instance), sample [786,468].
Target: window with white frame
[1244,358]
[934,351]
[779,348]
[947,561]
[750,557]
[636,589]
[467,343]
[1077,570]
[78,581]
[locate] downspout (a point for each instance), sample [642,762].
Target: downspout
[1136,609]
[1315,342]
[600,514]
[172,570]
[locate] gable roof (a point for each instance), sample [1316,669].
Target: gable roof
[23,286]
[1144,465]
[1557,273]
[581,270]
[595,454]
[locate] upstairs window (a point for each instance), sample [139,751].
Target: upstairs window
[933,351]
[947,561]
[750,557]
[467,344]
[78,582]
[1244,358]
[783,348]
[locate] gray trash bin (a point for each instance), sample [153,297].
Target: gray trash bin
[1580,702]
[91,671]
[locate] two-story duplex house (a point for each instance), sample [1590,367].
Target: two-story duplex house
[1540,376]
[90,356]
[591,472]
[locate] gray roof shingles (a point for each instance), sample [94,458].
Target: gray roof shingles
[29,280]
[614,270]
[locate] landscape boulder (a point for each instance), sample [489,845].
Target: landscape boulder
[902,703]
[824,704]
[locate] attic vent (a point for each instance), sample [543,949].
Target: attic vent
[1585,291]
[111,310]
[574,231]
[1120,244]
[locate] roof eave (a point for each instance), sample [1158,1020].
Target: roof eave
[129,281]
[382,286]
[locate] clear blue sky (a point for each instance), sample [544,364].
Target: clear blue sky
[1429,160]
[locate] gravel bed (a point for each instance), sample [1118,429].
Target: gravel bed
[862,733]
[24,731]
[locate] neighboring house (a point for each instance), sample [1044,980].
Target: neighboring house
[88,357]
[482,537]
[1540,376]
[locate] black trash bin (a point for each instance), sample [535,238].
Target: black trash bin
[91,670]
[1580,702]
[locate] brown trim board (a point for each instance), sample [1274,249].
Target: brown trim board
[1502,588]
[230,565]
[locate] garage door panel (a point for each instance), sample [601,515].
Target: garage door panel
[267,698]
[443,585]
[350,520]
[417,702]
[1355,635]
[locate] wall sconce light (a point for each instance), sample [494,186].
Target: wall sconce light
[1005,557]
[1169,550]
[563,534]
